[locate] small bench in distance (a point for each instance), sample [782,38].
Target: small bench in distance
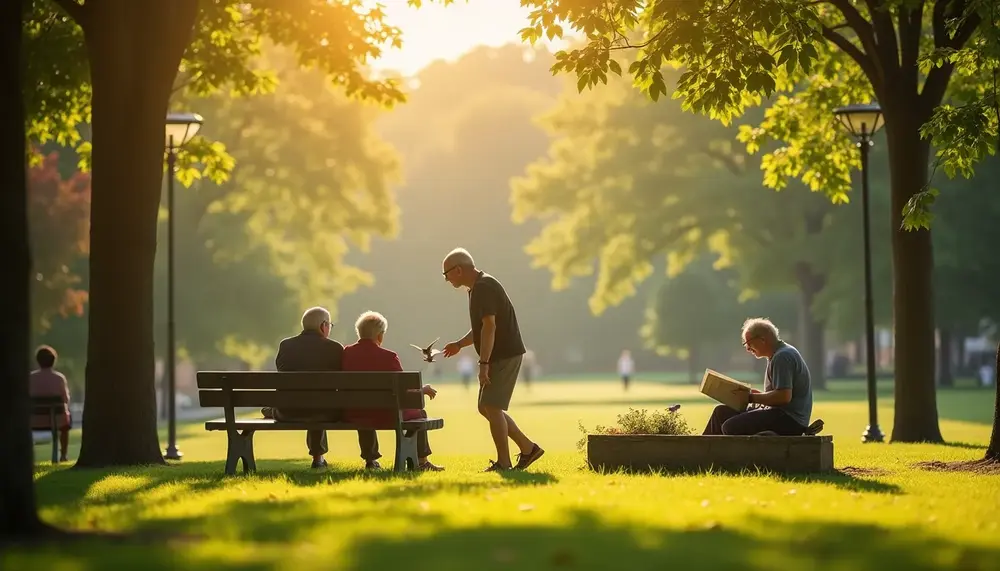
[319,391]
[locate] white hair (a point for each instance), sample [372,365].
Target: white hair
[761,327]
[459,257]
[370,325]
[314,318]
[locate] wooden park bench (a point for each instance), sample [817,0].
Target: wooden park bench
[320,391]
[52,407]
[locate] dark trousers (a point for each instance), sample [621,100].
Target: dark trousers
[316,440]
[423,445]
[726,421]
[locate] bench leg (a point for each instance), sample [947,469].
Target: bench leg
[240,448]
[406,451]
[55,444]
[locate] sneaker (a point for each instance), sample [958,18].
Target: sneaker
[320,463]
[429,466]
[525,460]
[494,467]
[372,465]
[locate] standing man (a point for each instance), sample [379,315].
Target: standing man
[497,339]
[784,408]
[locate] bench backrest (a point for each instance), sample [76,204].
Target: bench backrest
[310,390]
[47,405]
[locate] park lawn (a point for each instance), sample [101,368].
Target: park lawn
[877,512]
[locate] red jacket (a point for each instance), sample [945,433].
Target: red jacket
[366,355]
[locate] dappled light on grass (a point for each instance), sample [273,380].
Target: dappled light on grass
[875,511]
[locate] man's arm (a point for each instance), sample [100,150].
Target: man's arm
[488,336]
[465,341]
[280,360]
[781,381]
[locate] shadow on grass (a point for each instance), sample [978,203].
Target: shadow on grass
[837,478]
[580,539]
[61,485]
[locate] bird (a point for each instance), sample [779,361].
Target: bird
[429,352]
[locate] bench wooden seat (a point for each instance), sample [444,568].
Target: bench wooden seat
[312,391]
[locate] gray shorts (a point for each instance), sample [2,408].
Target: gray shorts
[503,377]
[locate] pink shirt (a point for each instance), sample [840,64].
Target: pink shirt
[49,383]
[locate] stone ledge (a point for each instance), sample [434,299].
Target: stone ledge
[782,454]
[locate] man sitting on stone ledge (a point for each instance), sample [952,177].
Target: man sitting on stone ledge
[784,408]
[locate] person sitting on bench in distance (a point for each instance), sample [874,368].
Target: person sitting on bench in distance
[784,408]
[367,354]
[313,350]
[47,382]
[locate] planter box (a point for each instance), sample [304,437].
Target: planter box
[783,454]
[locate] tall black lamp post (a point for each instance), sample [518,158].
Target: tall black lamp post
[180,128]
[862,121]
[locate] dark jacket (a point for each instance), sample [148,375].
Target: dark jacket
[308,351]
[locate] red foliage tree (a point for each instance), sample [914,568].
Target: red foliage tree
[59,218]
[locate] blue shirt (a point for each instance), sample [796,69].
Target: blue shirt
[786,369]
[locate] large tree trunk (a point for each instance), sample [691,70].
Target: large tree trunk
[812,331]
[134,50]
[916,417]
[993,451]
[18,516]
[946,370]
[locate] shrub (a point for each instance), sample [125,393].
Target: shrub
[641,422]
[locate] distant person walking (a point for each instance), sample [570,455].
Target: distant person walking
[497,338]
[47,382]
[626,367]
[466,368]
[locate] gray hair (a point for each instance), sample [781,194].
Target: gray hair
[370,325]
[314,318]
[459,257]
[761,327]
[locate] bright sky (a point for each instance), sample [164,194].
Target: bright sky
[436,32]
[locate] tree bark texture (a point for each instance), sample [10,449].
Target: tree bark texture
[134,49]
[18,515]
[812,330]
[993,450]
[916,417]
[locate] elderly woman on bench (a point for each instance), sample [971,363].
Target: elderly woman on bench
[784,408]
[367,354]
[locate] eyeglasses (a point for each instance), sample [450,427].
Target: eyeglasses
[746,344]
[446,272]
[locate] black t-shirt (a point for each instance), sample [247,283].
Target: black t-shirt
[489,298]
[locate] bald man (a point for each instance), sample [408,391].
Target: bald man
[497,338]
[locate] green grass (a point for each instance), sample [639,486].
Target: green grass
[557,515]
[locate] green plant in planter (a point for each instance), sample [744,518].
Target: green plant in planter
[669,421]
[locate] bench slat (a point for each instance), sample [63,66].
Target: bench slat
[311,380]
[269,424]
[310,399]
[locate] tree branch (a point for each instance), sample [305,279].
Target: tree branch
[863,29]
[76,11]
[910,30]
[937,79]
[885,32]
[859,56]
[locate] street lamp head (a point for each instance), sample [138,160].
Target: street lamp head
[181,127]
[862,120]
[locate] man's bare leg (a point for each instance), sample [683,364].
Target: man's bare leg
[498,430]
[515,434]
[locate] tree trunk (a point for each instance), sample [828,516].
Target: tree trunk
[993,451]
[813,331]
[18,516]
[916,417]
[134,50]
[946,371]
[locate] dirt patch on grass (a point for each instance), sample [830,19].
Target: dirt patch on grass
[972,466]
[856,471]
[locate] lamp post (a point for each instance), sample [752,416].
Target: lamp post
[862,121]
[180,128]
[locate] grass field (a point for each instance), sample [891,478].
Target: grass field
[885,515]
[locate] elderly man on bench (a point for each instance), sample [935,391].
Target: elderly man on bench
[784,408]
